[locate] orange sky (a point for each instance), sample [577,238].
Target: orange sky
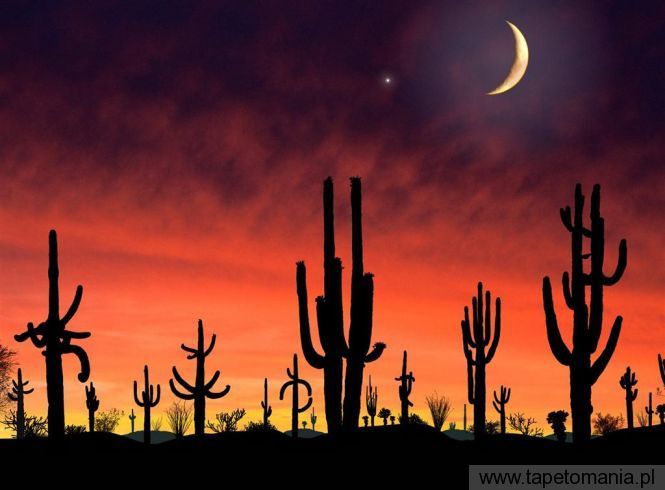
[183,175]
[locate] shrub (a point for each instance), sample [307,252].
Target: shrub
[524,425]
[226,421]
[108,421]
[440,408]
[179,417]
[604,424]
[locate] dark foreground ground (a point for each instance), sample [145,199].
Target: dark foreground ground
[380,454]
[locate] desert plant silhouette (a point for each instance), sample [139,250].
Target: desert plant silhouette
[661,368]
[405,387]
[384,414]
[92,404]
[52,336]
[627,381]
[366,420]
[660,410]
[132,418]
[147,401]
[267,409]
[18,395]
[587,320]
[330,317]
[294,381]
[477,336]
[557,420]
[465,417]
[312,419]
[371,397]
[499,403]
[201,389]
[649,410]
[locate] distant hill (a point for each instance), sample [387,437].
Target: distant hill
[306,433]
[459,435]
[157,437]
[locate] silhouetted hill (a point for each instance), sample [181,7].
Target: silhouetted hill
[158,436]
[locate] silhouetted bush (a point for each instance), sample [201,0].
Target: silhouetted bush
[491,427]
[557,421]
[660,410]
[439,408]
[414,419]
[384,414]
[604,424]
[108,421]
[6,365]
[179,416]
[226,421]
[34,426]
[524,425]
[156,424]
[73,430]
[260,427]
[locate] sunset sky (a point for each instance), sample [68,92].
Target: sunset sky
[179,151]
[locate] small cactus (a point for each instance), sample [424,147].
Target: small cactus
[392,420]
[661,367]
[267,409]
[371,397]
[405,387]
[649,410]
[148,401]
[132,418]
[366,420]
[17,395]
[294,382]
[312,419]
[500,405]
[627,381]
[92,404]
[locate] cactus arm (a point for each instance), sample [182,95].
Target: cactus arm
[212,381]
[12,397]
[497,328]
[68,335]
[27,392]
[75,305]
[508,395]
[496,407]
[621,266]
[180,394]
[215,395]
[376,352]
[307,405]
[315,359]
[634,394]
[213,339]
[282,390]
[136,395]
[557,345]
[566,218]
[159,395]
[661,367]
[565,282]
[488,320]
[182,381]
[36,335]
[604,358]
[192,352]
[84,373]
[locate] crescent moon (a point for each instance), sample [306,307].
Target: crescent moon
[520,63]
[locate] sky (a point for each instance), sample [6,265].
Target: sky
[179,151]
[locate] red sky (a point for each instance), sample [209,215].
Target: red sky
[180,153]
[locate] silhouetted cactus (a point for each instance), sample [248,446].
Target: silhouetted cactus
[587,320]
[371,397]
[132,418]
[330,317]
[627,381]
[18,395]
[478,337]
[649,410]
[499,403]
[465,417]
[557,420]
[148,400]
[267,409]
[92,404]
[661,368]
[201,389]
[405,387]
[366,420]
[313,418]
[52,336]
[660,410]
[295,380]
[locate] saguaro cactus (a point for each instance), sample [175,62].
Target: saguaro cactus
[132,418]
[92,404]
[17,395]
[649,410]
[627,381]
[295,380]
[478,337]
[201,389]
[661,368]
[371,397]
[312,419]
[499,403]
[148,400]
[465,417]
[587,319]
[267,409]
[52,336]
[330,317]
[405,387]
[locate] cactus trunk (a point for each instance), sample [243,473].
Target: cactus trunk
[295,382]
[499,403]
[18,395]
[405,387]
[148,400]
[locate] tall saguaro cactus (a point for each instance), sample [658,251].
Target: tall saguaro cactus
[147,401]
[627,381]
[587,319]
[267,409]
[649,410]
[92,404]
[499,403]
[661,368]
[371,398]
[18,395]
[405,387]
[132,419]
[294,382]
[478,336]
[330,317]
[52,336]
[201,389]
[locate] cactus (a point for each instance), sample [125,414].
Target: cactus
[267,409]
[627,381]
[148,400]
[366,420]
[660,410]
[649,410]
[132,418]
[312,419]
[478,337]
[371,397]
[405,387]
[92,404]
[661,368]
[295,380]
[201,389]
[330,317]
[52,336]
[17,395]
[499,403]
[587,320]
[465,417]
